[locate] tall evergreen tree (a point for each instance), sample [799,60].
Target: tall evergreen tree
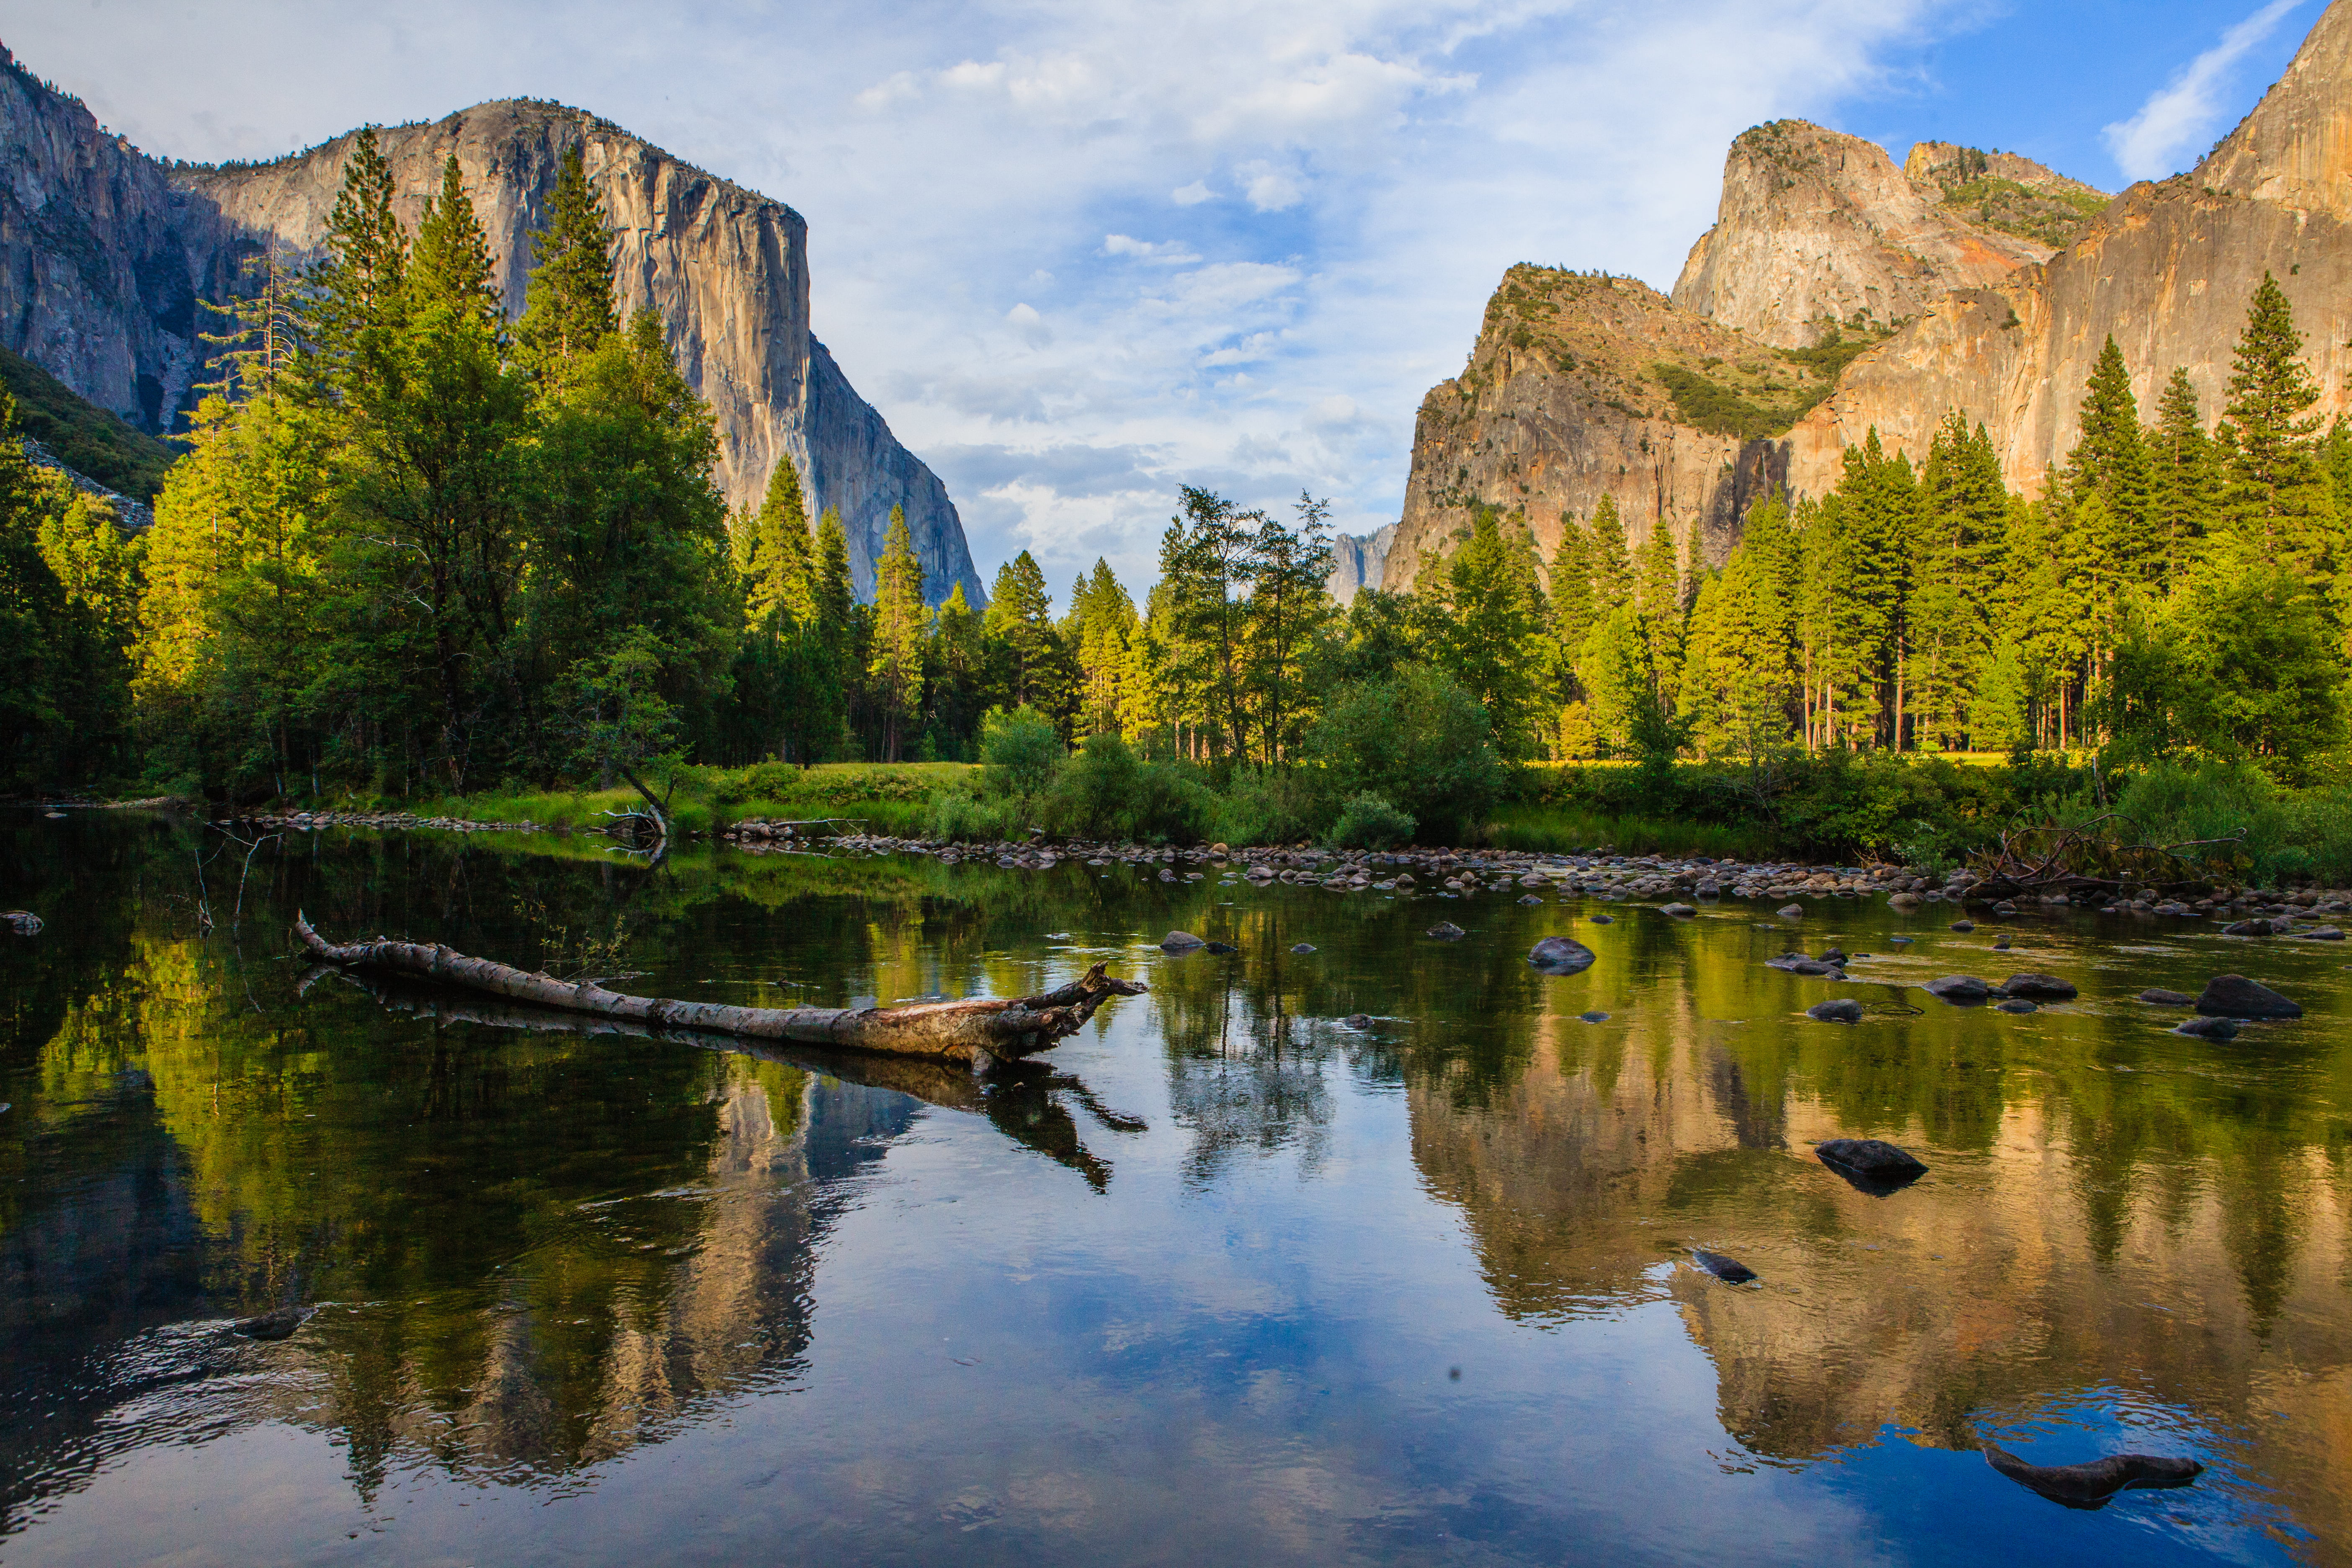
[1019,626]
[778,557]
[901,632]
[1609,565]
[2185,487]
[1659,598]
[569,307]
[2274,495]
[1289,604]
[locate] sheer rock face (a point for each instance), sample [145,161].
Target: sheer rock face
[1819,225]
[1357,561]
[2167,269]
[106,252]
[1561,404]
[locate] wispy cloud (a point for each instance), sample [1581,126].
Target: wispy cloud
[2179,117]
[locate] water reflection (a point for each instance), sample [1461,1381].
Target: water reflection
[541,1247]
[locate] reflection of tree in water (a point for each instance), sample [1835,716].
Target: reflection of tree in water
[1245,1071]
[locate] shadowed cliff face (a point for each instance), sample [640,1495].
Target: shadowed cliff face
[1562,403]
[106,251]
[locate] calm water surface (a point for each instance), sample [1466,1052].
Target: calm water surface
[1223,1281]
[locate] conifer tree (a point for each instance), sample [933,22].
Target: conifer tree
[778,562]
[1660,600]
[569,307]
[1289,571]
[1609,565]
[2274,495]
[1019,627]
[356,287]
[901,632]
[2185,487]
[1484,621]
[2110,457]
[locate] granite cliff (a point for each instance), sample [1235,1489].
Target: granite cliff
[104,252]
[1837,294]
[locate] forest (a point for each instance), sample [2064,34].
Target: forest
[420,546]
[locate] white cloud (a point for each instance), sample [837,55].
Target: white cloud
[1192,195]
[2179,117]
[1269,189]
[1167,253]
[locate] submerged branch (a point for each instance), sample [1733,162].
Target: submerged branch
[975,1031]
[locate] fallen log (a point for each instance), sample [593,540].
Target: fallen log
[975,1031]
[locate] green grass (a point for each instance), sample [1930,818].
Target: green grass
[1553,828]
[894,798]
[85,437]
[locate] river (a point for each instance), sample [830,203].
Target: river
[1221,1281]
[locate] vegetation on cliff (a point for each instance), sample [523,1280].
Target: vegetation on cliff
[85,437]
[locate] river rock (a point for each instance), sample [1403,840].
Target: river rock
[2090,1486]
[2041,987]
[1841,1010]
[1219,947]
[2259,925]
[1447,931]
[1905,902]
[1530,898]
[2160,997]
[1180,942]
[1958,989]
[1604,920]
[1561,955]
[2015,1004]
[2320,933]
[1872,1165]
[1797,963]
[1302,947]
[1964,925]
[2207,1029]
[1792,911]
[273,1325]
[1680,911]
[2235,996]
[24,922]
[1358,1020]
[1731,1271]
[1593,1017]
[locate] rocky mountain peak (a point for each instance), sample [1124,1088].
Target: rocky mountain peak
[1818,228]
[2295,148]
[2005,192]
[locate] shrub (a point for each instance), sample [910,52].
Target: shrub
[1270,808]
[1418,741]
[1106,792]
[1021,751]
[1368,822]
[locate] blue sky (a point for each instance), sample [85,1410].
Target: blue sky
[1079,251]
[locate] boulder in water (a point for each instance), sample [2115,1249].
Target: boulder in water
[275,1325]
[2041,987]
[2235,996]
[1593,1017]
[1841,1010]
[1792,911]
[24,922]
[1872,1164]
[1731,1271]
[1960,989]
[1447,931]
[1180,942]
[1680,911]
[2156,997]
[2016,1004]
[2090,1486]
[1302,947]
[1561,955]
[1964,925]
[2207,1029]
[1358,1020]
[1219,947]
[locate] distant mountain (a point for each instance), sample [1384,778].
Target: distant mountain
[1837,294]
[1358,560]
[104,252]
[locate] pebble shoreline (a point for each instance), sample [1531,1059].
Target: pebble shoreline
[1598,872]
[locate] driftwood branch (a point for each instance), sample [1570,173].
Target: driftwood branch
[974,1031]
[2099,856]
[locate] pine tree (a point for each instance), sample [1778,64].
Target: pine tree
[778,561]
[1608,563]
[1964,524]
[569,306]
[1659,600]
[1019,627]
[450,267]
[1289,573]
[2185,487]
[356,287]
[2274,496]
[1484,620]
[2110,459]
[901,631]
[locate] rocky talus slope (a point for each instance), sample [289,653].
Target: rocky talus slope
[104,252]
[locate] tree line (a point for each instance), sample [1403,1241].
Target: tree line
[420,546]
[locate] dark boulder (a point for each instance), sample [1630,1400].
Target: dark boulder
[2207,1029]
[2320,933]
[2090,1486]
[275,1325]
[1180,942]
[2235,996]
[1680,911]
[1797,963]
[2041,987]
[1843,1010]
[1358,1020]
[1219,947]
[1447,931]
[1561,955]
[2160,997]
[1604,920]
[1871,1164]
[1960,989]
[1731,1271]
[1593,1017]
[1792,911]
[1833,955]
[2016,1004]
[1302,947]
[1964,925]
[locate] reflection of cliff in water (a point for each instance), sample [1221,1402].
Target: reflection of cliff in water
[2029,1275]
